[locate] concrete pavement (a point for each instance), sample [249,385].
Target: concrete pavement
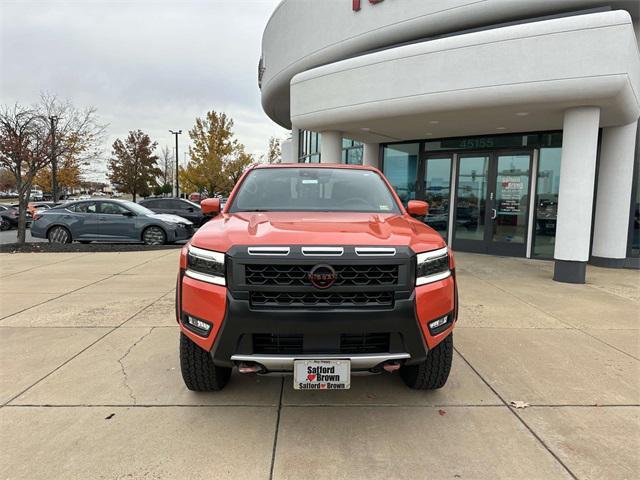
[90,384]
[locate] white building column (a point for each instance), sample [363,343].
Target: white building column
[295,144]
[371,154]
[286,151]
[615,178]
[331,147]
[289,148]
[575,198]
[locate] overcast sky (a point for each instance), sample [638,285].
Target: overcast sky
[152,65]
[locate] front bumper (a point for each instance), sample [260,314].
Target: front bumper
[181,232]
[235,323]
[284,363]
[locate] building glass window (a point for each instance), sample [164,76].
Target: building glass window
[437,190]
[401,168]
[351,152]
[309,147]
[635,212]
[471,199]
[547,188]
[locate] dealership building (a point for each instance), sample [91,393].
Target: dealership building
[517,120]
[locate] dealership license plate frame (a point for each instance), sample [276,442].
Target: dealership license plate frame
[301,380]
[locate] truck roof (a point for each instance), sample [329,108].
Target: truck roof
[315,165]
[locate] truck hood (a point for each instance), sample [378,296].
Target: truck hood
[316,228]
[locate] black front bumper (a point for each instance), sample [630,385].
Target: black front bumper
[321,329]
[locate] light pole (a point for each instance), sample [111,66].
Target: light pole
[177,182]
[54,160]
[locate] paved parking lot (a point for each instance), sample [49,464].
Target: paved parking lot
[10,236]
[91,388]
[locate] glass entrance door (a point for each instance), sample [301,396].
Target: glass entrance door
[434,187]
[492,203]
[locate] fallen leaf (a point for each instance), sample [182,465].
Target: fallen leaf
[519,404]
[442,413]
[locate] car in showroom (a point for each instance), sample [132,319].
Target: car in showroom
[317,271]
[177,206]
[109,221]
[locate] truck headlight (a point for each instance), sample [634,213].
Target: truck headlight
[205,265]
[432,266]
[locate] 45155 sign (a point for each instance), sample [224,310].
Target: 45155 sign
[356,4]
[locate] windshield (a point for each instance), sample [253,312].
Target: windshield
[313,190]
[135,208]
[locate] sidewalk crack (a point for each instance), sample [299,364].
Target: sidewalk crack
[125,376]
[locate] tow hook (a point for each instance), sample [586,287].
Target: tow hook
[250,367]
[391,366]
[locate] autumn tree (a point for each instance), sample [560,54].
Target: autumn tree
[7,180]
[75,137]
[69,174]
[133,167]
[24,147]
[213,147]
[235,167]
[274,151]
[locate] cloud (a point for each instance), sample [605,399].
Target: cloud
[149,65]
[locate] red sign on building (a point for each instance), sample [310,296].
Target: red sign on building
[356,4]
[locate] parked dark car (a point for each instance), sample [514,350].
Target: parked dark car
[10,215]
[109,221]
[177,206]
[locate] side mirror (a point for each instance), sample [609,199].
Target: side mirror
[128,214]
[210,206]
[190,209]
[417,208]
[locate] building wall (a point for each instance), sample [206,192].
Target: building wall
[303,34]
[402,70]
[542,68]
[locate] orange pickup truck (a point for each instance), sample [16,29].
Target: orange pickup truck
[316,271]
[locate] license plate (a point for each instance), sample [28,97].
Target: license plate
[321,374]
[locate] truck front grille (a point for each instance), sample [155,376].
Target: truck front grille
[321,299]
[298,275]
[267,343]
[278,344]
[366,343]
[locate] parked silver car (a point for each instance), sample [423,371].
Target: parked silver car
[109,221]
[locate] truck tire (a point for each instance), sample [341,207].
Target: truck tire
[434,371]
[198,371]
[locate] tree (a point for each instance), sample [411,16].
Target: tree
[69,174]
[75,136]
[217,158]
[274,151]
[167,170]
[133,167]
[7,180]
[24,150]
[236,167]
[213,146]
